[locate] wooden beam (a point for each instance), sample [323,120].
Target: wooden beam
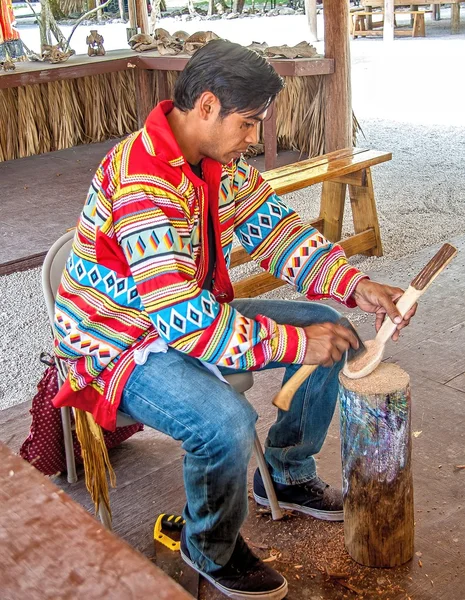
[338,104]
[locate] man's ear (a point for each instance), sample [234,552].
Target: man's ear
[208,106]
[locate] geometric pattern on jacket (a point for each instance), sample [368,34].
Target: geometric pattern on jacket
[140,256]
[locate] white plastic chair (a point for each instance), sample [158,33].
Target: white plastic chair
[52,271]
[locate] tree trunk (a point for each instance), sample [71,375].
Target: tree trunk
[238,6]
[56,9]
[310,9]
[376,467]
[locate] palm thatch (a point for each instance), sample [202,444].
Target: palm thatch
[62,114]
[300,115]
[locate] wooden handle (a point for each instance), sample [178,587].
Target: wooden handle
[419,285]
[284,397]
[437,264]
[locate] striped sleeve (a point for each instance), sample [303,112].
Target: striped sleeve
[187,317]
[274,235]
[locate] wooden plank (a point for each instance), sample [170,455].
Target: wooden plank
[29,73]
[377,3]
[317,173]
[52,548]
[22,264]
[298,67]
[255,285]
[311,162]
[69,70]
[338,98]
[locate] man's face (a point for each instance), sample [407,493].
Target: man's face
[225,139]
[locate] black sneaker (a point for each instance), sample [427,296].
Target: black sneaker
[244,577]
[315,498]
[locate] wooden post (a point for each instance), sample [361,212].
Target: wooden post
[455,17]
[388,27]
[269,138]
[376,467]
[144,95]
[142,16]
[132,15]
[310,9]
[338,104]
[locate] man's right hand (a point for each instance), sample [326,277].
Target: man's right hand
[327,342]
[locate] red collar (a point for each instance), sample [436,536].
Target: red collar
[163,143]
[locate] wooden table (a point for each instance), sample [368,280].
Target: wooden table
[50,547]
[29,73]
[454,5]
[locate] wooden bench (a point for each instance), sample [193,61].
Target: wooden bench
[336,170]
[363,25]
[52,548]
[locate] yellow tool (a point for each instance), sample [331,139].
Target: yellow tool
[171,522]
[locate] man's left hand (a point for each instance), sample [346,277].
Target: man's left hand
[381,299]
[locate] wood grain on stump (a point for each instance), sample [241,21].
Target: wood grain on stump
[376,466]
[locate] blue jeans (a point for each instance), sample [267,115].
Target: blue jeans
[177,395]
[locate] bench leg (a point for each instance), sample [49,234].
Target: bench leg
[364,214]
[418,25]
[333,196]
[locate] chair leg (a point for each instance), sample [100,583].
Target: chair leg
[69,450]
[276,511]
[105,517]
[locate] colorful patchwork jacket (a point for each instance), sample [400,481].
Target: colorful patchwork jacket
[140,256]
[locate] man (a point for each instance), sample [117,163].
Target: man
[146,304]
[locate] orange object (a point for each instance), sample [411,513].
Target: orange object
[10,42]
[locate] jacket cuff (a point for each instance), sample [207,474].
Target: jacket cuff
[289,345]
[344,283]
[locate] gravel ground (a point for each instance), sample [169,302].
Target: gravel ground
[420,194]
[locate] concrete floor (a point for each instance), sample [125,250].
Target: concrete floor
[149,467]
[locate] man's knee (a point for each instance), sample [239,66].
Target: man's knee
[322,313]
[236,424]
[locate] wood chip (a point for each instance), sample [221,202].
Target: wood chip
[420,564]
[349,587]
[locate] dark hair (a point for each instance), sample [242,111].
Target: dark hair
[240,78]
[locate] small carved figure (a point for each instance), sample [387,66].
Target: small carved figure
[95,44]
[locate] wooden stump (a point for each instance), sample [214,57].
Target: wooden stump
[376,457]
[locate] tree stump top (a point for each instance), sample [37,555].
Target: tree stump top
[385,379]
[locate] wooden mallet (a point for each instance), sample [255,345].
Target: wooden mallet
[366,364]
[284,397]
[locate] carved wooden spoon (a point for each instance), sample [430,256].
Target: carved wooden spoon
[366,364]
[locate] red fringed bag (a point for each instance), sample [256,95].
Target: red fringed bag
[44,447]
